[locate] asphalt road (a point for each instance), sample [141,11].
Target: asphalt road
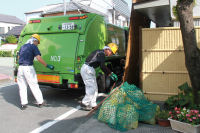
[59,102]
[61,115]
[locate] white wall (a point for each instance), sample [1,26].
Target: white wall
[196,9]
[32,15]
[6,25]
[8,47]
[0,40]
[8,62]
[106,7]
[100,5]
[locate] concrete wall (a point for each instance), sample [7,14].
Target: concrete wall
[8,47]
[7,61]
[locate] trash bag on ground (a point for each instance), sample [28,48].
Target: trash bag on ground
[126,107]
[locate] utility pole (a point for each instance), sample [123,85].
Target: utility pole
[64,4]
[90,2]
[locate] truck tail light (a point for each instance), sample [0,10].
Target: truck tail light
[78,17]
[34,21]
[73,85]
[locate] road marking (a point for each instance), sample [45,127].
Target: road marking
[63,116]
[49,124]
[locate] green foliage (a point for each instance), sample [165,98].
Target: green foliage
[174,11]
[183,99]
[2,41]
[178,1]
[11,39]
[6,54]
[190,116]
[163,115]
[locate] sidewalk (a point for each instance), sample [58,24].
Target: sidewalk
[4,77]
[95,126]
[6,68]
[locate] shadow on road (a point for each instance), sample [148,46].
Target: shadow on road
[10,94]
[58,97]
[53,97]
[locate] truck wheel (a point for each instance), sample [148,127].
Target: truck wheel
[101,83]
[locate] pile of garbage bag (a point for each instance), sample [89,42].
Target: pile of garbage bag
[126,107]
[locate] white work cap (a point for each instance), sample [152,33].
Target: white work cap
[106,47]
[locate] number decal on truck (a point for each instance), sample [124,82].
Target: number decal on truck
[55,58]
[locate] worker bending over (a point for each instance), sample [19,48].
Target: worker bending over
[94,60]
[26,73]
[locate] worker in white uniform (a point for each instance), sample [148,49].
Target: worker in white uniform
[26,73]
[94,60]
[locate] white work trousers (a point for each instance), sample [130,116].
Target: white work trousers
[89,78]
[26,76]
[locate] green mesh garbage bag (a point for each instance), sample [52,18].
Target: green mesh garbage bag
[107,112]
[126,117]
[145,108]
[121,117]
[125,107]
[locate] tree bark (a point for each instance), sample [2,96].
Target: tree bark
[132,70]
[192,52]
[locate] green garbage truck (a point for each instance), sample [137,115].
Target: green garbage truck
[66,41]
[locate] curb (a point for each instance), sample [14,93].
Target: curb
[4,77]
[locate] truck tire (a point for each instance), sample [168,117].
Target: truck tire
[101,83]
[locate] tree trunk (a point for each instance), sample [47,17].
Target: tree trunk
[192,52]
[137,21]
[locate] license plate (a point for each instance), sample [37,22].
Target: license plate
[67,26]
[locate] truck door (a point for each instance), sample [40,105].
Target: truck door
[58,49]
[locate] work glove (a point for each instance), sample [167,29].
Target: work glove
[113,76]
[50,66]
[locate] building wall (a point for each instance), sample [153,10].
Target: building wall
[163,62]
[196,13]
[5,27]
[32,15]
[0,40]
[104,6]
[8,47]
[99,5]
[107,7]
[195,20]
[61,13]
